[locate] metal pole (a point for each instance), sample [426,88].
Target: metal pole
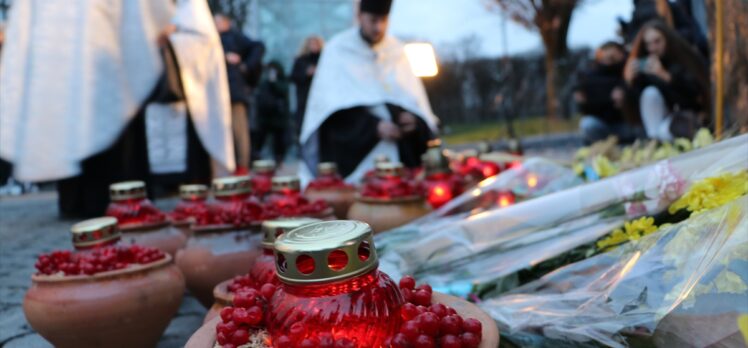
[720,67]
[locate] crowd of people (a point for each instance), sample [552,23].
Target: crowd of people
[653,84]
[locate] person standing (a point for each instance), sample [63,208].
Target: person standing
[302,73]
[273,110]
[80,119]
[244,68]
[365,101]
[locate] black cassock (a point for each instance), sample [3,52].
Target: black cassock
[349,135]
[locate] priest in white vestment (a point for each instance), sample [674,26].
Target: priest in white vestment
[365,101]
[75,76]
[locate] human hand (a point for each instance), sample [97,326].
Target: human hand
[163,36]
[617,95]
[311,70]
[233,58]
[655,67]
[388,130]
[407,122]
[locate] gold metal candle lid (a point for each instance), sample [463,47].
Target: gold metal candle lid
[327,168]
[127,190]
[291,182]
[272,229]
[325,252]
[231,185]
[90,233]
[263,166]
[190,192]
[389,169]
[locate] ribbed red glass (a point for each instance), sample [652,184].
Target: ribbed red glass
[239,210]
[263,270]
[328,181]
[390,187]
[262,183]
[193,209]
[135,211]
[364,309]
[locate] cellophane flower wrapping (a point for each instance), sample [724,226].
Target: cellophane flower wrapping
[684,286]
[471,242]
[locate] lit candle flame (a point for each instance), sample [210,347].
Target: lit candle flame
[532,180]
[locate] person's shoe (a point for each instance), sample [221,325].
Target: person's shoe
[240,171]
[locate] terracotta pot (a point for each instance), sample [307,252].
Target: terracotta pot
[386,214]
[214,255]
[340,199]
[162,236]
[327,215]
[185,227]
[205,337]
[125,308]
[221,298]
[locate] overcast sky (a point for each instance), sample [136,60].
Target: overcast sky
[445,22]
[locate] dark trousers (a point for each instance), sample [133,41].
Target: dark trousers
[279,142]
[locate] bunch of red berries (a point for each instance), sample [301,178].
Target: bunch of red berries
[293,206]
[432,325]
[247,314]
[328,182]
[134,213]
[296,338]
[96,261]
[391,187]
[190,211]
[235,213]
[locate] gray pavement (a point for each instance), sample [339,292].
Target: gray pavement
[29,226]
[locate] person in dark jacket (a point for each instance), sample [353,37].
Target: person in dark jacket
[600,95]
[273,110]
[243,67]
[674,14]
[302,73]
[669,82]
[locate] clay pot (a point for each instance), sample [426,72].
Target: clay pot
[205,337]
[386,214]
[214,255]
[221,298]
[327,215]
[340,199]
[125,308]
[162,236]
[185,227]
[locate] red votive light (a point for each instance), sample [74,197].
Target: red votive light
[192,207]
[130,206]
[263,270]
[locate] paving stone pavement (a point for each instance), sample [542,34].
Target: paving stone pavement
[29,225]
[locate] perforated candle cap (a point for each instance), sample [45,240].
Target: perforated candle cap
[94,232]
[389,169]
[281,183]
[190,192]
[127,190]
[327,168]
[263,166]
[325,252]
[231,185]
[272,229]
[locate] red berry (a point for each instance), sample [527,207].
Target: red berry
[326,340]
[411,330]
[470,340]
[308,343]
[438,309]
[407,282]
[240,336]
[221,338]
[425,287]
[227,314]
[400,341]
[429,323]
[296,331]
[472,325]
[254,315]
[422,298]
[408,311]
[424,341]
[245,298]
[450,341]
[226,328]
[451,311]
[407,295]
[344,342]
[450,325]
[267,290]
[283,342]
[240,316]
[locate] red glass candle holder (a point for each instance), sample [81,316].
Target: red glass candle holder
[286,200]
[390,182]
[328,178]
[233,205]
[442,187]
[192,206]
[130,206]
[263,172]
[331,289]
[263,270]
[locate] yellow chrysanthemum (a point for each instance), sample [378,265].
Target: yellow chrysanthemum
[632,230]
[603,167]
[703,137]
[712,192]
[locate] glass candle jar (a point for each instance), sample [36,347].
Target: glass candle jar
[192,207]
[262,176]
[330,187]
[328,178]
[331,288]
[390,182]
[234,204]
[131,207]
[263,270]
[286,200]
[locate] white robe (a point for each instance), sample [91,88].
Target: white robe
[73,73]
[350,74]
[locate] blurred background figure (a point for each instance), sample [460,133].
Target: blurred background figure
[365,101]
[95,133]
[600,93]
[675,14]
[273,111]
[304,67]
[669,82]
[244,69]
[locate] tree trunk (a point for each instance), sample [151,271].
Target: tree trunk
[551,104]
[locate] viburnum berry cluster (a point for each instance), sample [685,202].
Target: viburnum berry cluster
[391,187]
[432,325]
[295,205]
[330,181]
[96,261]
[190,211]
[247,315]
[135,212]
[235,213]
